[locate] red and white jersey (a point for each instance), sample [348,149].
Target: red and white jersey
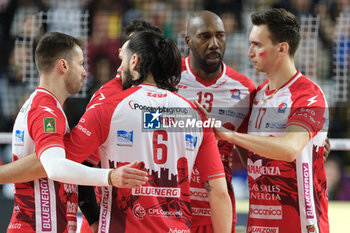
[289,196]
[228,99]
[42,205]
[138,124]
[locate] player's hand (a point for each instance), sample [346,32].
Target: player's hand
[128,176]
[327,149]
[221,133]
[94,227]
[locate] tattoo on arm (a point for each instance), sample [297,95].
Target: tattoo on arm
[207,186]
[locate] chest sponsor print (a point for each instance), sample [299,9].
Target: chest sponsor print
[256,169]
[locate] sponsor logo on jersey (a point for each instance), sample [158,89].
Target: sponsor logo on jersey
[235,94]
[49,125]
[72,208]
[312,100]
[19,137]
[138,211]
[135,106]
[269,125]
[176,230]
[199,194]
[17,226]
[259,229]
[264,192]
[72,226]
[311,229]
[104,209]
[47,109]
[231,113]
[125,138]
[255,169]
[45,205]
[156,192]
[307,195]
[201,211]
[168,213]
[181,86]
[282,107]
[265,211]
[156,95]
[191,142]
[151,120]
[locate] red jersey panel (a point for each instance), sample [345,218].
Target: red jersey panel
[227,98]
[42,205]
[109,89]
[295,192]
[139,124]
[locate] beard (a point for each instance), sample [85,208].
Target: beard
[127,80]
[202,63]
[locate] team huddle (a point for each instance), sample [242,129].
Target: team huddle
[150,171]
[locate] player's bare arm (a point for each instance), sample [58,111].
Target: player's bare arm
[285,148]
[327,149]
[220,204]
[22,170]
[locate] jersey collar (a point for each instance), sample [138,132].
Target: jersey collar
[199,79]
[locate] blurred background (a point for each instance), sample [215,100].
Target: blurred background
[323,56]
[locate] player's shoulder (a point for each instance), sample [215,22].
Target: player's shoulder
[239,77]
[305,86]
[307,91]
[112,101]
[44,98]
[44,104]
[109,89]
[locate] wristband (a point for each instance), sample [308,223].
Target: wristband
[109,177]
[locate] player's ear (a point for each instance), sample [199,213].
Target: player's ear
[62,65]
[134,61]
[283,48]
[187,40]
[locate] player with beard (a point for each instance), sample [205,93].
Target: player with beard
[225,93]
[30,168]
[128,126]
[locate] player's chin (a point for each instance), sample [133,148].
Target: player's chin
[76,90]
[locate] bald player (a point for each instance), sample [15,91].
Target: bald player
[225,93]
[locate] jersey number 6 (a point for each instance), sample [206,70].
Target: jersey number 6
[160,150]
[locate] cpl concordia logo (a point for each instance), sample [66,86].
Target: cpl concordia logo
[138,211]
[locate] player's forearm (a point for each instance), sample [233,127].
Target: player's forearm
[61,169]
[22,170]
[285,148]
[220,205]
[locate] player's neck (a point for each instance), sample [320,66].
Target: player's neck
[202,74]
[150,80]
[281,74]
[56,86]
